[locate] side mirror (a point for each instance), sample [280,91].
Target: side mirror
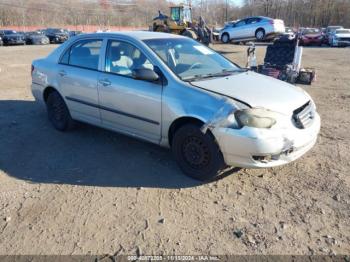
[145,74]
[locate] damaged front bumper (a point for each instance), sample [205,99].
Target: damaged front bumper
[260,148]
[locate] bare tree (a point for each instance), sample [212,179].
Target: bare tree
[105,13]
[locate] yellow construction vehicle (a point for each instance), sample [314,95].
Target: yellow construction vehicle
[180,22]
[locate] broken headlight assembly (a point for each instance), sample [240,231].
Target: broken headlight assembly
[255,117]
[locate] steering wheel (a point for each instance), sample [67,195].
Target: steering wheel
[195,65]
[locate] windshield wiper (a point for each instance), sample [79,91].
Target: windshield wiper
[223,73]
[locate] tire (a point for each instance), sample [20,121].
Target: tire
[225,38]
[197,154]
[58,112]
[260,34]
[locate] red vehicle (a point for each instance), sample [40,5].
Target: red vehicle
[311,36]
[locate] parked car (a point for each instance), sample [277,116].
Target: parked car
[175,92]
[74,33]
[289,32]
[11,37]
[259,28]
[56,35]
[311,36]
[216,31]
[341,37]
[330,30]
[36,38]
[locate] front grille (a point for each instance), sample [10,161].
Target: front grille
[304,116]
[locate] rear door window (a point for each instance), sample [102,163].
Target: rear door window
[83,54]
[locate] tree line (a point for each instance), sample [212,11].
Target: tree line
[306,13]
[139,13]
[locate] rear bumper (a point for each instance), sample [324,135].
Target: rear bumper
[261,148]
[37,91]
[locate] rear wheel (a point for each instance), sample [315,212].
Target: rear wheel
[260,34]
[58,112]
[225,38]
[196,153]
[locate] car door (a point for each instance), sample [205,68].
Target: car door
[77,79]
[128,105]
[252,24]
[238,30]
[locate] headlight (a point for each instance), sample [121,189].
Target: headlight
[255,117]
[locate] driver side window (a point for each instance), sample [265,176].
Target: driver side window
[122,58]
[240,23]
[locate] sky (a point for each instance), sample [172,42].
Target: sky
[237,2]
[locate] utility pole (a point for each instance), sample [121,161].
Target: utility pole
[226,5]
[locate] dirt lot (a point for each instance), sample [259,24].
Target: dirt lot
[94,191]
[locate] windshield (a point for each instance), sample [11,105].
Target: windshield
[311,31]
[58,31]
[9,32]
[34,33]
[334,28]
[190,60]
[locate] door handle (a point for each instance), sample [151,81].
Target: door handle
[62,73]
[105,82]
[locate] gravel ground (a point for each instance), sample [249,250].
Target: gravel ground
[91,191]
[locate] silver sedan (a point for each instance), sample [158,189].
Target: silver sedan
[251,28]
[172,91]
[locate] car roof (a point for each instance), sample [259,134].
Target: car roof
[140,35]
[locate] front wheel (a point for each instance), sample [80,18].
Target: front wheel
[225,38]
[196,153]
[58,112]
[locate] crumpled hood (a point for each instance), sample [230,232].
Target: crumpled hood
[258,91]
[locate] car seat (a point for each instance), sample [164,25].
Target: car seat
[118,62]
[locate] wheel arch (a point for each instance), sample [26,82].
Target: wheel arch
[179,122]
[226,33]
[48,90]
[260,28]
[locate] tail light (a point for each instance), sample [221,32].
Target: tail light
[32,69]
